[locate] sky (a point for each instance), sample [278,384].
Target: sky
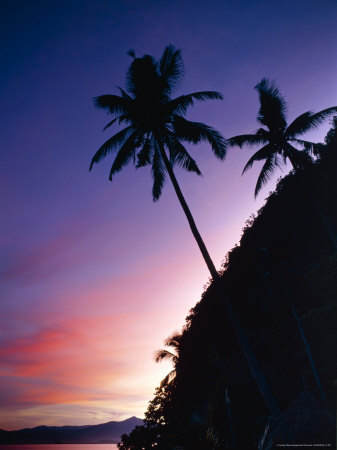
[94,275]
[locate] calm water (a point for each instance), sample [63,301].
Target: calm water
[60,447]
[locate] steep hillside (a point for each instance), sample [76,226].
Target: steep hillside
[282,281]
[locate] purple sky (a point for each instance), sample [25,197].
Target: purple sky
[94,275]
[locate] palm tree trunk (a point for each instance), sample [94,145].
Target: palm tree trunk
[226,304]
[194,229]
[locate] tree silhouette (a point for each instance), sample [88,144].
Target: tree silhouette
[331,137]
[327,151]
[277,138]
[155,132]
[164,354]
[156,128]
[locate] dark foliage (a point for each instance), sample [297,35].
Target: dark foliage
[194,411]
[156,126]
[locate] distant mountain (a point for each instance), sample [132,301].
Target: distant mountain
[109,432]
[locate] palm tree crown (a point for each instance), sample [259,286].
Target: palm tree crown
[155,122]
[164,354]
[277,138]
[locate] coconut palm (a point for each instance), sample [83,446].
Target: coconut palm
[278,138]
[154,136]
[164,354]
[156,128]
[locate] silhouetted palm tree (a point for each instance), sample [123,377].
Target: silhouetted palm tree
[154,135]
[164,354]
[156,127]
[277,138]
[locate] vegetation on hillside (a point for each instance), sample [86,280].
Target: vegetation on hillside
[285,257]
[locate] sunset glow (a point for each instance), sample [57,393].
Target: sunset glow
[94,274]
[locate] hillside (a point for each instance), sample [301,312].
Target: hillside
[109,432]
[282,274]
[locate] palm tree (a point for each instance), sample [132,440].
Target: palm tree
[156,127]
[277,138]
[164,354]
[155,132]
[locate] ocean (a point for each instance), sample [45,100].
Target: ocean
[59,447]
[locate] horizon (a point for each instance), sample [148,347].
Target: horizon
[92,291]
[62,426]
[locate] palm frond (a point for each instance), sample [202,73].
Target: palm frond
[195,132]
[266,172]
[299,125]
[126,153]
[114,104]
[298,158]
[179,155]
[264,153]
[310,147]
[124,94]
[174,341]
[206,95]
[320,116]
[171,67]
[158,174]
[273,109]
[180,104]
[110,123]
[164,354]
[309,121]
[144,157]
[257,138]
[110,144]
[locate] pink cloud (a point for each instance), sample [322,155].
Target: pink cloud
[84,360]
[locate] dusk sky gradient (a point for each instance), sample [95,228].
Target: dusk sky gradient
[94,275]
